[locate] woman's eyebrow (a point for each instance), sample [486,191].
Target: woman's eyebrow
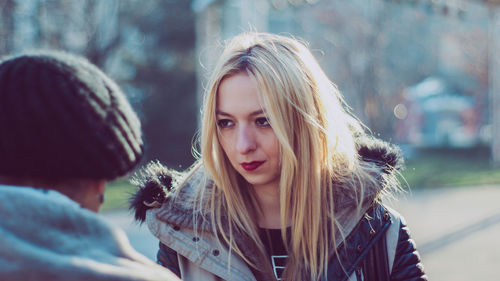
[257,112]
[218,112]
[253,113]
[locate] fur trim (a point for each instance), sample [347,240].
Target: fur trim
[155,181]
[387,156]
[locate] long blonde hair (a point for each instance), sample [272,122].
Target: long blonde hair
[316,135]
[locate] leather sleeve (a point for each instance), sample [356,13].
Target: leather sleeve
[168,258]
[407,264]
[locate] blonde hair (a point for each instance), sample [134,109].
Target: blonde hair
[318,152]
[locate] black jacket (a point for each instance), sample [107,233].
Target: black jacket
[364,252]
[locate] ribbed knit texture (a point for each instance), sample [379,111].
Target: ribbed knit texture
[61,117]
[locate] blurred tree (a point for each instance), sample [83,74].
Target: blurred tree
[165,72]
[147,46]
[6,25]
[370,50]
[374,50]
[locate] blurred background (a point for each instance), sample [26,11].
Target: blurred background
[424,74]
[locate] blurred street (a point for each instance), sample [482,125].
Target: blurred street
[456,231]
[139,235]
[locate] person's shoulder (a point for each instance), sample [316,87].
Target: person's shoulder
[384,213]
[31,198]
[49,209]
[396,217]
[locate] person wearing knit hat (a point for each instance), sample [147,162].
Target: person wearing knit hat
[65,130]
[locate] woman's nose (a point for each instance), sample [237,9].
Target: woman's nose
[245,142]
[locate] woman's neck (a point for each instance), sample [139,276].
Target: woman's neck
[268,197]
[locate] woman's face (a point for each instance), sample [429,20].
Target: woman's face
[245,134]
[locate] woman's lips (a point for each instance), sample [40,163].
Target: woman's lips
[250,166]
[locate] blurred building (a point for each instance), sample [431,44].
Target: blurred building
[433,114]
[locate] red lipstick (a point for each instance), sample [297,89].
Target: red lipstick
[250,166]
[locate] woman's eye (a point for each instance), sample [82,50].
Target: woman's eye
[262,122]
[224,123]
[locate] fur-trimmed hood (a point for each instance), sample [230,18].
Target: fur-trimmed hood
[157,184]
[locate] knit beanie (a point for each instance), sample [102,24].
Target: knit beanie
[62,118]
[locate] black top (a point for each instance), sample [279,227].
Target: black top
[276,250]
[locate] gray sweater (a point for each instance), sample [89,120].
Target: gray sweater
[44,235]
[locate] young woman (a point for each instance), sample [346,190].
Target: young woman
[288,185]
